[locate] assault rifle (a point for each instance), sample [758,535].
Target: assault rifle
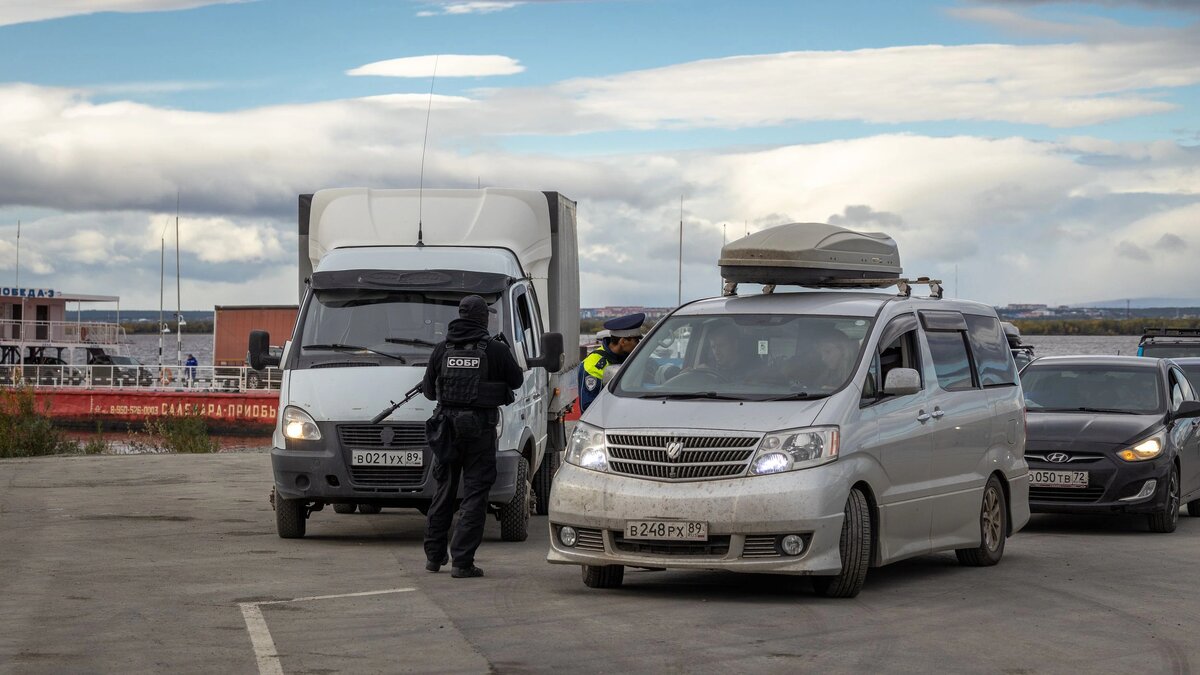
[408,396]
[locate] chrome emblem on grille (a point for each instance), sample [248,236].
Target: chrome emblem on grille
[1058,457]
[674,449]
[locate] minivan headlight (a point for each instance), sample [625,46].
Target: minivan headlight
[795,449]
[299,425]
[1148,449]
[587,448]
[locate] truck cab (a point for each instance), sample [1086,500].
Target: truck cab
[386,275]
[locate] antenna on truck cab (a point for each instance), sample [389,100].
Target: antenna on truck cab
[424,143]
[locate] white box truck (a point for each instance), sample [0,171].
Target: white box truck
[381,276]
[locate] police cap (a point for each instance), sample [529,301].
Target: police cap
[625,326]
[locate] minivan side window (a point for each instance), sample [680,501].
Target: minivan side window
[950,359]
[993,358]
[900,352]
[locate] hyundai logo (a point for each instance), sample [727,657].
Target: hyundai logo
[674,449]
[1058,457]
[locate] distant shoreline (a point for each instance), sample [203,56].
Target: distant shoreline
[1114,327]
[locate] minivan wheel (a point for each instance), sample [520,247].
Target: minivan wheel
[514,516]
[290,516]
[344,508]
[855,547]
[369,508]
[603,576]
[1166,520]
[993,528]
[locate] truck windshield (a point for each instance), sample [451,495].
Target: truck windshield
[384,327]
[748,357]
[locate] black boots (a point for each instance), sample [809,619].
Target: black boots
[466,572]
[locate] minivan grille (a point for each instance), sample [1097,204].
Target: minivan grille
[700,458]
[716,545]
[411,435]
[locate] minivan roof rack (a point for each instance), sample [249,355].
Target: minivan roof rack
[1170,332]
[904,285]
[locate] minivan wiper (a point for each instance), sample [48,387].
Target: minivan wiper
[410,341]
[694,395]
[798,396]
[352,348]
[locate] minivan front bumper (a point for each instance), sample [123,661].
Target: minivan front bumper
[744,517]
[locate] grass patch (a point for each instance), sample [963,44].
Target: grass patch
[184,433]
[26,431]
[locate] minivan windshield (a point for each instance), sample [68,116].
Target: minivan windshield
[1086,388]
[746,357]
[378,326]
[1171,351]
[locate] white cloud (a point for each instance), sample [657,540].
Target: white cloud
[471,7]
[41,10]
[448,65]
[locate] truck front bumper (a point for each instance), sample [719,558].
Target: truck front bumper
[320,471]
[746,517]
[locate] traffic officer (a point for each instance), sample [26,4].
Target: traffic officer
[624,333]
[470,375]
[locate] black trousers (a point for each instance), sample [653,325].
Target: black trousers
[475,467]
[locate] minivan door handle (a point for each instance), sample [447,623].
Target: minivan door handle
[923,417]
[938,413]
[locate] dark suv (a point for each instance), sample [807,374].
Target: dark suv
[1169,343]
[1112,434]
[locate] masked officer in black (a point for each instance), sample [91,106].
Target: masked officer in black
[470,375]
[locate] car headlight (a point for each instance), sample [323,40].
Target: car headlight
[1148,449]
[795,449]
[587,448]
[299,425]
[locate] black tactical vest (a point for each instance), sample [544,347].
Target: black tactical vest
[464,367]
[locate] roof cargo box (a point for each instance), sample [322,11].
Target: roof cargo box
[809,254]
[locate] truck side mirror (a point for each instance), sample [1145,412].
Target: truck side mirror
[902,382]
[553,354]
[260,350]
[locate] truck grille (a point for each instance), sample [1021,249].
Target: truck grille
[411,435]
[701,457]
[384,437]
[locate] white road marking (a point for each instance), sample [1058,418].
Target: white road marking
[260,636]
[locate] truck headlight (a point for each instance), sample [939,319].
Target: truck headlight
[587,448]
[1148,449]
[299,425]
[795,449]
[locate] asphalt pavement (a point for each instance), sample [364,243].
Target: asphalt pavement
[170,563]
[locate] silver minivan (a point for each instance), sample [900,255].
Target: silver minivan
[813,433]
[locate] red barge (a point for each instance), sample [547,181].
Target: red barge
[80,377]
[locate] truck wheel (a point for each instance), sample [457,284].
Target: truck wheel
[1166,520]
[855,547]
[993,528]
[344,508]
[290,516]
[603,576]
[252,381]
[514,516]
[369,508]
[542,480]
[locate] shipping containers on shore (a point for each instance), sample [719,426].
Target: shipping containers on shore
[232,325]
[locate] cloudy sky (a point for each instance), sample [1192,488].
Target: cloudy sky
[1049,150]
